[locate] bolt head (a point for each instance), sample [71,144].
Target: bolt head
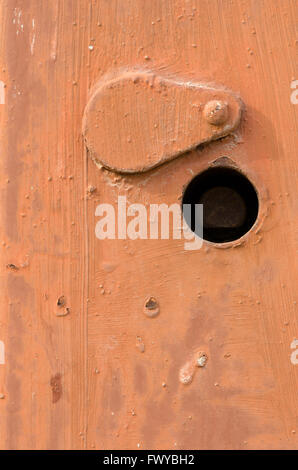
[216,112]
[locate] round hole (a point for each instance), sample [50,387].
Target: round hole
[230,204]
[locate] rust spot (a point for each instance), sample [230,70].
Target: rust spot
[56,388]
[216,112]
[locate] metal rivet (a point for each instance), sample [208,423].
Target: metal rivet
[216,112]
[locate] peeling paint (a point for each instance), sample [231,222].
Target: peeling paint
[32,44]
[56,387]
[17,20]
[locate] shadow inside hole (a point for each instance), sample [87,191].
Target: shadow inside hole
[230,204]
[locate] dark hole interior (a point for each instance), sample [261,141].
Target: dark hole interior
[230,204]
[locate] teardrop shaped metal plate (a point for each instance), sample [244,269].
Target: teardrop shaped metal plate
[136,120]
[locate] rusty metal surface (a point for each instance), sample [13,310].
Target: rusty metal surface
[123,344]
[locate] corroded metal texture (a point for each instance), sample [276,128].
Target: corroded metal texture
[137,344]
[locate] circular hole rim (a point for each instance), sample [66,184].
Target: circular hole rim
[251,179]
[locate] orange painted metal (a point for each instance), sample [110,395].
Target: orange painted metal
[157,119]
[85,366]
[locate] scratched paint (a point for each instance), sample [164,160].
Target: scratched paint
[56,387]
[33,37]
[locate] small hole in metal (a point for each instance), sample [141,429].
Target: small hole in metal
[230,204]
